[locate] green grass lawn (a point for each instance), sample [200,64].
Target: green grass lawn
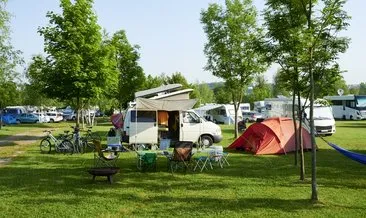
[55,185]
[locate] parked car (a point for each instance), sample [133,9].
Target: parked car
[55,116]
[69,115]
[8,119]
[43,118]
[252,116]
[27,118]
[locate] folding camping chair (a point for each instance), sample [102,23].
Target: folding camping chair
[181,157]
[148,162]
[100,160]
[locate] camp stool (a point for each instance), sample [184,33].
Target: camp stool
[201,163]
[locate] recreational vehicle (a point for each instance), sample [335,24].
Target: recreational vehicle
[220,113]
[149,121]
[348,107]
[323,117]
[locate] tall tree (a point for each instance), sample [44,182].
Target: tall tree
[131,76]
[75,66]
[233,34]
[323,35]
[9,59]
[307,45]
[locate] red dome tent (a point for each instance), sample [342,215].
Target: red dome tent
[272,136]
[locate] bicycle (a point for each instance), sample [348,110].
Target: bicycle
[62,145]
[89,137]
[79,143]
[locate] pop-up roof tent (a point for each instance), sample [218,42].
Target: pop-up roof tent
[272,136]
[166,105]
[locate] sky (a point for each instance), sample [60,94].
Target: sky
[169,33]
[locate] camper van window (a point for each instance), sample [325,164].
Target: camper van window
[222,112]
[189,117]
[143,116]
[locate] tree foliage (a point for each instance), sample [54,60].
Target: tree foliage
[233,34]
[75,65]
[261,90]
[131,77]
[9,59]
[304,40]
[362,90]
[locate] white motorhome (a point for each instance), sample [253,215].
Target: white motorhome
[220,113]
[150,120]
[348,107]
[323,117]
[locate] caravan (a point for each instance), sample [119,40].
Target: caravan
[220,113]
[149,121]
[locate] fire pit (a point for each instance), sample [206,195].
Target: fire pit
[105,171]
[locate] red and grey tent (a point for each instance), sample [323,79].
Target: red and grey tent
[272,136]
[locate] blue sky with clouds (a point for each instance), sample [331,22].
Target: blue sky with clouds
[169,33]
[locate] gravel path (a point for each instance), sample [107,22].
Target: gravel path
[20,139]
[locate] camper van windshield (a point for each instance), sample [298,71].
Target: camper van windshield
[361,102]
[323,113]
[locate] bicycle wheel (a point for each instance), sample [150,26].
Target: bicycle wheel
[66,147]
[45,146]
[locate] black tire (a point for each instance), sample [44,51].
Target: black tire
[51,121]
[206,141]
[45,146]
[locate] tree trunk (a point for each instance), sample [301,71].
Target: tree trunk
[77,111]
[302,159]
[314,191]
[236,106]
[295,127]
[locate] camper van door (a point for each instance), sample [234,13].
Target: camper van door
[143,127]
[191,126]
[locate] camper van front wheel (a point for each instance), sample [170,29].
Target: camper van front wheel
[206,140]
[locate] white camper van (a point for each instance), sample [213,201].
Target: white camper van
[151,120]
[323,116]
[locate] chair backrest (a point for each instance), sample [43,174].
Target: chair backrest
[149,158]
[183,151]
[98,147]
